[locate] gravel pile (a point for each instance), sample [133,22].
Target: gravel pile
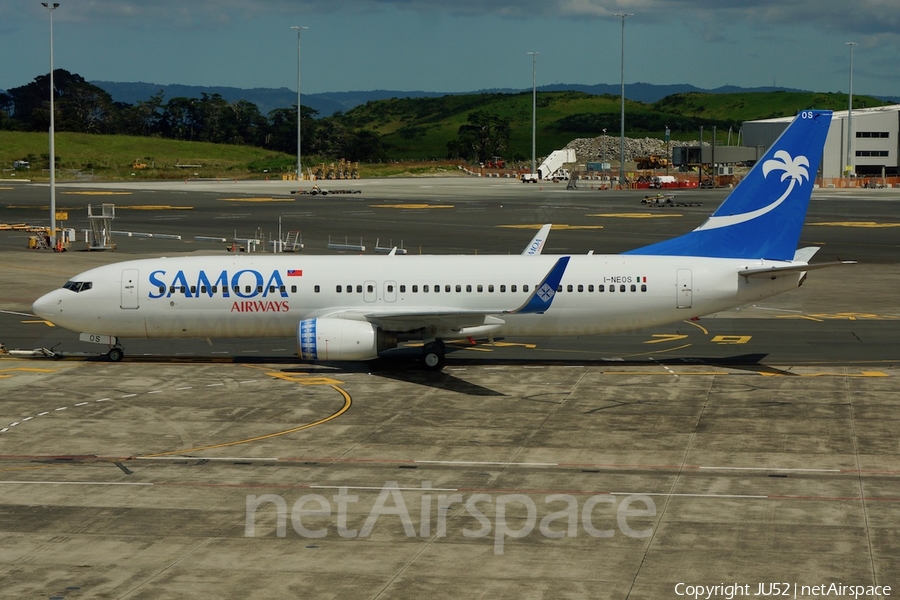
[606,147]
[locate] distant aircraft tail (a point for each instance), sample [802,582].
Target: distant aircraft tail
[763,216]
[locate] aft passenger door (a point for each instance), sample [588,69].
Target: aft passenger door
[685,288]
[129,289]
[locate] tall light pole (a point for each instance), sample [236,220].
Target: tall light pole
[533,110]
[51,7]
[622,116]
[849,163]
[299,154]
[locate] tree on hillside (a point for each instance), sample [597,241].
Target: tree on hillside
[85,108]
[80,106]
[248,126]
[180,119]
[6,108]
[282,134]
[143,118]
[484,136]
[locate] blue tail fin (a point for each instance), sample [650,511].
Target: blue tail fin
[763,216]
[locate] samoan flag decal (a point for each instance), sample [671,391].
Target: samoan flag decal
[295,273]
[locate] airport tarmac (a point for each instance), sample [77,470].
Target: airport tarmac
[750,447]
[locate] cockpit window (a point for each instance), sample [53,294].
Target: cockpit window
[78,286]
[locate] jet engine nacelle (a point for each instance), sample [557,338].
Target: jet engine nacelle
[339,339]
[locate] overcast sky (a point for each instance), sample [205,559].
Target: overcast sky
[458,45]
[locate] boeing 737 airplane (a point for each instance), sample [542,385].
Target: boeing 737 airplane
[354,307]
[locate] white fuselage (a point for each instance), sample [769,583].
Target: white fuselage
[262,296]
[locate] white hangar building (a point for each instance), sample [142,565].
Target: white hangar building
[874,148]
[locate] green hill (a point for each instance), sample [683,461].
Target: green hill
[420,129]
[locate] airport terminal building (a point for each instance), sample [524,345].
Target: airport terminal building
[874,135]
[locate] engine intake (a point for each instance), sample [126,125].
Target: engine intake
[341,339]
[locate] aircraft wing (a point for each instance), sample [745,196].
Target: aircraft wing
[406,319]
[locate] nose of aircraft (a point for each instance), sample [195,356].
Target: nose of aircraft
[47,306]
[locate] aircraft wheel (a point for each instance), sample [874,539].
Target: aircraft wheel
[115,354]
[433,356]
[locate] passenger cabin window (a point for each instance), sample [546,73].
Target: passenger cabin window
[480,288]
[338,289]
[503,288]
[402,289]
[425,288]
[622,288]
[525,288]
[415,289]
[601,288]
[359,289]
[491,288]
[512,288]
[317,289]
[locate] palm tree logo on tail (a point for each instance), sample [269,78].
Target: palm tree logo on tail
[795,170]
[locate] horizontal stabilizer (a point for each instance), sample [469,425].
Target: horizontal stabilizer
[778,271]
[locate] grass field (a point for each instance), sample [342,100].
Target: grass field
[113,156]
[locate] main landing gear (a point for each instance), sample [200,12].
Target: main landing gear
[433,355]
[115,354]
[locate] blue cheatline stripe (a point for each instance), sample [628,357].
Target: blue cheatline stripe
[543,295]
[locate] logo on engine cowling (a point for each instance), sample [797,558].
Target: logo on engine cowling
[306,339]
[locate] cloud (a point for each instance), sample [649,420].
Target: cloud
[877,19]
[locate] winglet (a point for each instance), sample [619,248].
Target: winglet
[536,245]
[540,300]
